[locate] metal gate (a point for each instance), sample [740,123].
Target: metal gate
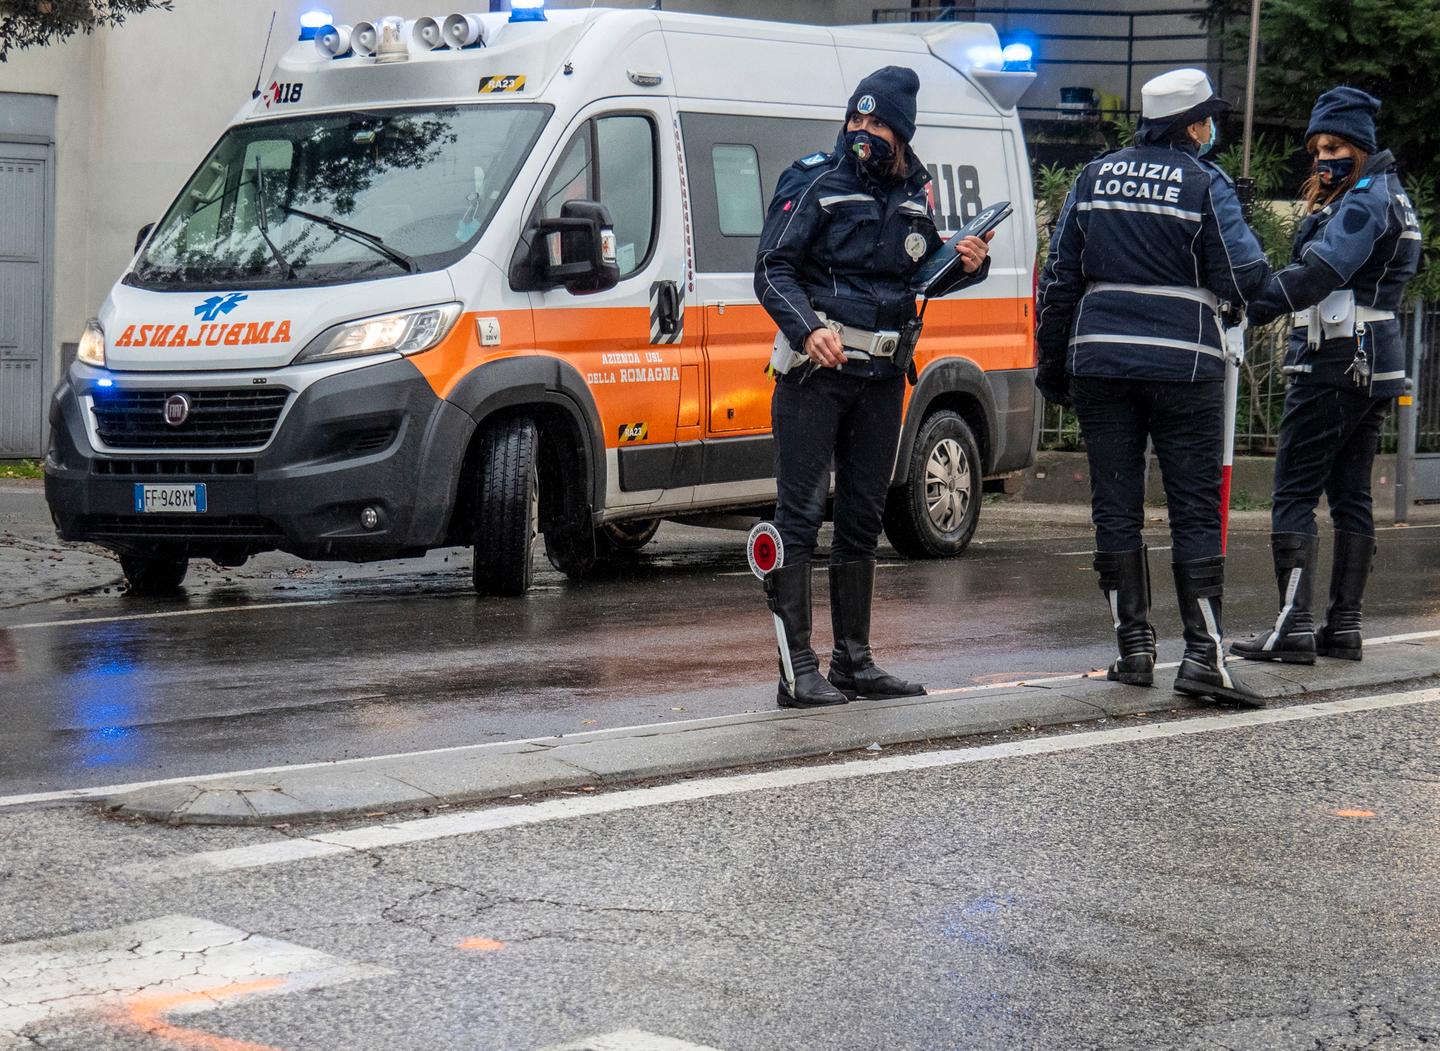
[24,181]
[1424,366]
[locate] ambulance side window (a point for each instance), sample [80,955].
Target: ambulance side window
[624,181]
[737,190]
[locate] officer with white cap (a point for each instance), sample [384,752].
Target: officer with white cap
[1149,251]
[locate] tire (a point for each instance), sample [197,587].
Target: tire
[507,508]
[155,573]
[934,514]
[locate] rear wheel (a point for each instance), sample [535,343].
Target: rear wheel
[507,508]
[158,572]
[934,514]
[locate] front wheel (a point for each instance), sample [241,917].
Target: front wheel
[507,508]
[934,513]
[153,573]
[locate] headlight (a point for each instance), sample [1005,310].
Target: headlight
[92,345]
[409,332]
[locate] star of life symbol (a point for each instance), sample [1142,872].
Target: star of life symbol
[866,104]
[217,305]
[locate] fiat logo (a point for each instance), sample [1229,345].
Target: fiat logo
[177,409]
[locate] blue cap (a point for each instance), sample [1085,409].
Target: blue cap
[1348,113]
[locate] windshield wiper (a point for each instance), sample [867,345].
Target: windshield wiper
[264,224]
[355,234]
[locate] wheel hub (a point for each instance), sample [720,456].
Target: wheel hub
[947,485]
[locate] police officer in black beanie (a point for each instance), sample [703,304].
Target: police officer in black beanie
[843,237]
[1355,250]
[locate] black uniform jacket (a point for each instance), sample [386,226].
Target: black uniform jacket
[836,243]
[1149,244]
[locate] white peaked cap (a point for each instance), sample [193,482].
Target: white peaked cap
[1173,93]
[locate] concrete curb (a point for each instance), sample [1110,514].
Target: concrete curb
[488,772]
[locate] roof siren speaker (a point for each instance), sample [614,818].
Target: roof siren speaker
[333,41]
[425,34]
[463,31]
[364,38]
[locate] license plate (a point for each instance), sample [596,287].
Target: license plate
[170,499]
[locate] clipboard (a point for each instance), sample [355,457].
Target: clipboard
[938,271]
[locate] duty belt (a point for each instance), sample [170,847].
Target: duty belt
[1190,292]
[1363,316]
[880,344]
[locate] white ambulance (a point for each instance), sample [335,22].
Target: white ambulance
[481,279]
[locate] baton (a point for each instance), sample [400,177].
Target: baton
[1234,355]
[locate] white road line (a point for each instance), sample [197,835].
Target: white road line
[1040,680]
[160,966]
[174,613]
[464,823]
[629,1040]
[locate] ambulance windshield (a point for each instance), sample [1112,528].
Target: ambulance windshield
[340,197]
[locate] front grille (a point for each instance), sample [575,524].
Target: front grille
[218,419]
[188,527]
[175,468]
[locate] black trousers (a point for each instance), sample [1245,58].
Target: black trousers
[1185,421]
[1328,439]
[820,416]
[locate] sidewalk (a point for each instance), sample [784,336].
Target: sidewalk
[478,773]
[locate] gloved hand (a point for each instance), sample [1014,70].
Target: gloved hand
[1054,385]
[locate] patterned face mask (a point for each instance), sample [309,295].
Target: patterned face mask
[873,153]
[1336,170]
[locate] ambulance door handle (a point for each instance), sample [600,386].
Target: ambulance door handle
[668,308]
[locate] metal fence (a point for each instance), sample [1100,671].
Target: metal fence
[1262,394]
[1120,33]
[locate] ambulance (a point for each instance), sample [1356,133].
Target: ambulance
[487,280]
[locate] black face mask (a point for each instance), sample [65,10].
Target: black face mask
[874,155]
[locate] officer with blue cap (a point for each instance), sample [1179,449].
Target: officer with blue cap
[1149,251]
[844,236]
[1355,250]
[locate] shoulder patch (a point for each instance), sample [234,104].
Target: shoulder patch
[814,160]
[1364,183]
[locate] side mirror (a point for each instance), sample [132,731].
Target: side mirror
[142,235]
[576,251]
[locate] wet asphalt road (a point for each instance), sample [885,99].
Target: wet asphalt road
[1249,888]
[285,662]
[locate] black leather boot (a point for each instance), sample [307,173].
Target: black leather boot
[787,591]
[1292,639]
[1198,586]
[1125,583]
[1339,636]
[852,668]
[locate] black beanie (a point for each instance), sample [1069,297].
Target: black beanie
[889,94]
[1347,112]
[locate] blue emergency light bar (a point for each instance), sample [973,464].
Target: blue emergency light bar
[1018,57]
[527,10]
[311,22]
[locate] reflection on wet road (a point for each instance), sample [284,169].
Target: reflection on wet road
[264,667]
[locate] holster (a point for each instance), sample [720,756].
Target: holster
[905,350]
